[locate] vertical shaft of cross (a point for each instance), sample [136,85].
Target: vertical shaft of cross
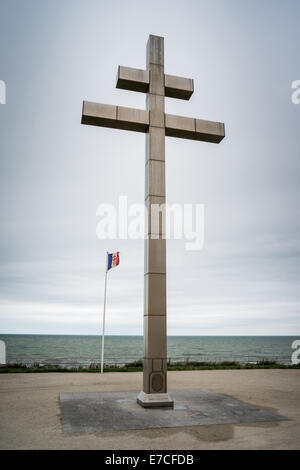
[155,309]
[156,124]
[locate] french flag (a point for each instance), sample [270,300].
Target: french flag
[113,260]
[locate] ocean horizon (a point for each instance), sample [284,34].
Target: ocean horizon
[74,350]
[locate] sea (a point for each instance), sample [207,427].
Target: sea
[70,351]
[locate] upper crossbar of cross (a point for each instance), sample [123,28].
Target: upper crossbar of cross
[119,117]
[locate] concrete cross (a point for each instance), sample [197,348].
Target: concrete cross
[156,124]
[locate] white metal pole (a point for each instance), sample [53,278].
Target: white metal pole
[104,308]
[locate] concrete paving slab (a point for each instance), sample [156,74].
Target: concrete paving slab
[117,411]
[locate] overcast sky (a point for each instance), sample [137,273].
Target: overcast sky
[243,56]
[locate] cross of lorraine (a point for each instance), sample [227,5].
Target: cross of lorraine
[156,124]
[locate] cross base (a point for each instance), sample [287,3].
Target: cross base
[155,400]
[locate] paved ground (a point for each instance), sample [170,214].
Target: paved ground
[30,412]
[119,411]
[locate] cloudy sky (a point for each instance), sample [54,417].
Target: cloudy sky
[243,56]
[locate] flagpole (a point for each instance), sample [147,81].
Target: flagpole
[104,308]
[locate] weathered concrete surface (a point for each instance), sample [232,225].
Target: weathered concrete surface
[179,87]
[157,125]
[116,117]
[154,391]
[132,79]
[194,129]
[30,412]
[111,411]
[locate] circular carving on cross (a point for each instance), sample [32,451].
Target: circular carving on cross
[157,382]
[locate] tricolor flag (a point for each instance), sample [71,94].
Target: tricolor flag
[112,260]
